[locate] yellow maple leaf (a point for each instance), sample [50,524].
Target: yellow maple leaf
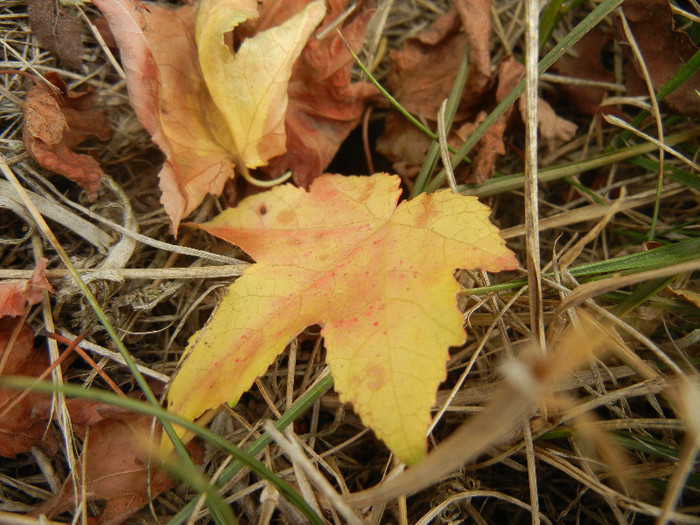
[207,108]
[377,276]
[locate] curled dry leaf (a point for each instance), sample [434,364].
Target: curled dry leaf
[553,130]
[55,124]
[250,88]
[379,276]
[166,90]
[17,294]
[487,150]
[476,21]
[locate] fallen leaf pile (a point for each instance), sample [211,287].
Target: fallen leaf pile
[377,276]
[213,111]
[422,74]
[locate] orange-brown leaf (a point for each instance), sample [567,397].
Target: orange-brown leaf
[17,294]
[380,278]
[206,107]
[49,136]
[115,463]
[166,90]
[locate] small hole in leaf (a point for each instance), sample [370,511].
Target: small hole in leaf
[262,210]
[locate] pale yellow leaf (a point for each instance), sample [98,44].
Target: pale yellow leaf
[249,87]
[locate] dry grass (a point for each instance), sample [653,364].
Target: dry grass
[605,444]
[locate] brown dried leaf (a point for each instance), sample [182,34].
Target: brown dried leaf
[476,20]
[491,145]
[664,51]
[553,130]
[586,64]
[689,295]
[58,30]
[54,125]
[115,462]
[487,149]
[402,142]
[422,72]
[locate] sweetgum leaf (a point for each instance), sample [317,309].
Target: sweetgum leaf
[380,279]
[169,98]
[205,106]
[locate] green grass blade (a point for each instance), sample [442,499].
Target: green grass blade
[296,410]
[101,396]
[691,180]
[516,181]
[681,251]
[642,293]
[413,120]
[551,15]
[588,23]
[452,104]
[92,300]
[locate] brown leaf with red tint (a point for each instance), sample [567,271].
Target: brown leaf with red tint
[115,461]
[55,124]
[19,430]
[58,30]
[324,105]
[17,294]
[664,51]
